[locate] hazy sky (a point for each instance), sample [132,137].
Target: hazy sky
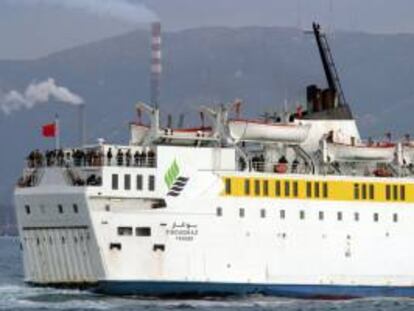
[33,28]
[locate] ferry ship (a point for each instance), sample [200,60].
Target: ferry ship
[295,205]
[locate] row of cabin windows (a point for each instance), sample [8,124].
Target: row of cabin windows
[286,187]
[139,231]
[139,184]
[302,214]
[60,209]
[395,192]
[316,189]
[364,191]
[290,188]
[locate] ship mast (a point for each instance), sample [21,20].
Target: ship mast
[329,67]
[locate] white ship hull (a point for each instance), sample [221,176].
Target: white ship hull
[192,249]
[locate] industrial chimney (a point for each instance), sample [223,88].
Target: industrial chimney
[156,66]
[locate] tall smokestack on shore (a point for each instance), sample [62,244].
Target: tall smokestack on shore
[156,66]
[81,125]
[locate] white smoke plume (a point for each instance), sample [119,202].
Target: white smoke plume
[37,93]
[119,9]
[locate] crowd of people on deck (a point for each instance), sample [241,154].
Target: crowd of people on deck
[281,166]
[91,157]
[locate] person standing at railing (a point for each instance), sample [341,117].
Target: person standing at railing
[142,158]
[128,157]
[136,158]
[99,157]
[109,156]
[120,157]
[151,158]
[60,157]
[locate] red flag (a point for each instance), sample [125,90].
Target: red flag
[49,130]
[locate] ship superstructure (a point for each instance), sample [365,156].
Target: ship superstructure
[296,205]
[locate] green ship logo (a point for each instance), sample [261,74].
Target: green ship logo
[171,175]
[175,183]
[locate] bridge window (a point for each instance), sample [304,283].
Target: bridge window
[127,182]
[60,209]
[364,191]
[124,231]
[282,214]
[356,216]
[151,182]
[75,208]
[277,188]
[309,189]
[388,192]
[257,187]
[262,213]
[325,190]
[376,217]
[356,191]
[265,187]
[139,182]
[339,216]
[316,190]
[295,189]
[27,209]
[247,187]
[371,192]
[219,211]
[302,214]
[402,192]
[115,181]
[143,231]
[287,188]
[395,192]
[227,185]
[241,212]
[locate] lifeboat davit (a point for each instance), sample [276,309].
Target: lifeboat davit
[408,152]
[381,152]
[256,130]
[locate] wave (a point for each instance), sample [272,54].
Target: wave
[23,297]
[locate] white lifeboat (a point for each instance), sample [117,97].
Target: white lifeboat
[138,133]
[256,130]
[382,152]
